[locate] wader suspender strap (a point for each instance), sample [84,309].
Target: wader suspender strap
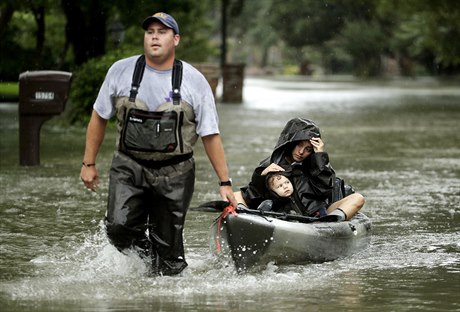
[137,77]
[176,78]
[176,81]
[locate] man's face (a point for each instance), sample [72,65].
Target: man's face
[160,42]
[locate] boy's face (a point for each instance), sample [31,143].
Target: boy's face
[282,186]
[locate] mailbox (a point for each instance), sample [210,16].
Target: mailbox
[42,95]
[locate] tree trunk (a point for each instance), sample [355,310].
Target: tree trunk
[6,13]
[85,31]
[223,26]
[39,15]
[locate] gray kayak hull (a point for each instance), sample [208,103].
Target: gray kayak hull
[254,240]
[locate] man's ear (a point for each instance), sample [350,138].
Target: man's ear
[176,40]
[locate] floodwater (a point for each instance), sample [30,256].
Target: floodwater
[397,142]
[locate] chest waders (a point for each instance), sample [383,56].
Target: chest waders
[152,176]
[156,138]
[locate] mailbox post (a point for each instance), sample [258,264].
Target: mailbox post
[233,77]
[42,95]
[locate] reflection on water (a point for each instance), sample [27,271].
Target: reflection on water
[397,145]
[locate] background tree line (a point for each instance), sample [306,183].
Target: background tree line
[64,34]
[365,38]
[354,36]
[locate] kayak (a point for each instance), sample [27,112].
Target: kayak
[255,239]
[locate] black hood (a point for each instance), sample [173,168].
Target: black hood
[296,129]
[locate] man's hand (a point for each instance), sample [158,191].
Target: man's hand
[90,177]
[227,194]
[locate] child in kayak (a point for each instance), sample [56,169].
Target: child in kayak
[286,200]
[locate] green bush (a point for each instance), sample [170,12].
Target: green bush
[86,82]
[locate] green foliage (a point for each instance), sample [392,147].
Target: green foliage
[336,59]
[439,33]
[365,42]
[196,31]
[18,52]
[250,34]
[306,22]
[426,31]
[339,35]
[341,30]
[86,82]
[11,67]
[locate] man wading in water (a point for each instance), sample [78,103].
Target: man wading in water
[162,106]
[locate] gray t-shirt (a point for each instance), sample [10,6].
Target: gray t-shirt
[156,89]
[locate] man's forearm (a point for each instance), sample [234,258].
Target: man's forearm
[94,136]
[215,151]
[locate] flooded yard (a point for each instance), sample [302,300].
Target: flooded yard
[396,142]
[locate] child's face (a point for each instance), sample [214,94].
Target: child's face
[282,186]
